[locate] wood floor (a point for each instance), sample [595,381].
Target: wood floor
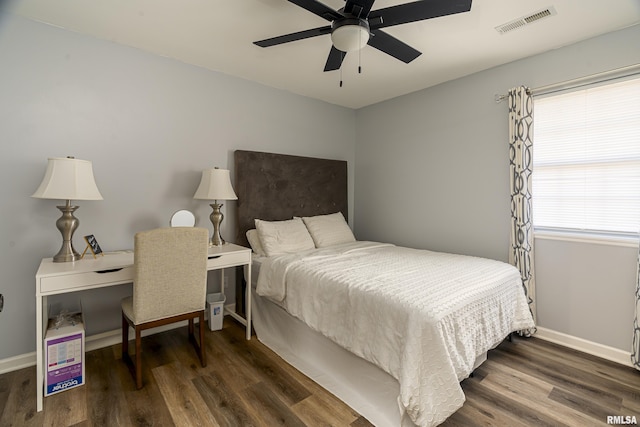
[527,382]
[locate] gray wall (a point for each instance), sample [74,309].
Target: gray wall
[432,172]
[150,125]
[431,166]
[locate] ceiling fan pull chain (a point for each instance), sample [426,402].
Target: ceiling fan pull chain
[342,55]
[360,54]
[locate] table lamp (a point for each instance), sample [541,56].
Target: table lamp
[68,179]
[215,185]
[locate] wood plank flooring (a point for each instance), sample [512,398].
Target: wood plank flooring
[527,382]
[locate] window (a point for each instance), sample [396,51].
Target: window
[586,160]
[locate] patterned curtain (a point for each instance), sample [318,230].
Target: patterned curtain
[520,165]
[635,351]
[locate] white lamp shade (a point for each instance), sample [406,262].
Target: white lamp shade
[68,179]
[215,185]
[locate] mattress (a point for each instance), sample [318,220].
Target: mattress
[422,317]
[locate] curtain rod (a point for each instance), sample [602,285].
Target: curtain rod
[581,81]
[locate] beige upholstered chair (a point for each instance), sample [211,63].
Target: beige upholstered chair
[169,285]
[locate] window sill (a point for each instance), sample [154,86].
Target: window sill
[602,239]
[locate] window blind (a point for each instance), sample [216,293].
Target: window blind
[586,159]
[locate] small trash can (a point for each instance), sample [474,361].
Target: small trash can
[215,303]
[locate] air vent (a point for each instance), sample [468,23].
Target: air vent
[526,20]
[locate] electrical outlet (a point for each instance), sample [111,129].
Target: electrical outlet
[1,302]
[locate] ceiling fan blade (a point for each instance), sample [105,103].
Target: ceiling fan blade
[359,8]
[320,31]
[318,8]
[416,11]
[392,46]
[334,61]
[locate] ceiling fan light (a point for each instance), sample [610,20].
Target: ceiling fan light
[350,36]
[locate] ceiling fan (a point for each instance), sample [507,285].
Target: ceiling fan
[356,25]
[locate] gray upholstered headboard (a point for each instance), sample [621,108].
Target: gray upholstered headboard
[276,187]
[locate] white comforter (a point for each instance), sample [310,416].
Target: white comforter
[421,316]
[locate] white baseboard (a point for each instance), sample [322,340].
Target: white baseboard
[110,338]
[17,362]
[585,346]
[93,342]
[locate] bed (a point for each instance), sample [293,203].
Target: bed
[389,330]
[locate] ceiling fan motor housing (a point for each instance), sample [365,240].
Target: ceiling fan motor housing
[350,34]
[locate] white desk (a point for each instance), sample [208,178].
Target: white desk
[110,270]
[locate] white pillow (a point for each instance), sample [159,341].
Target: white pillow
[254,242]
[281,237]
[328,230]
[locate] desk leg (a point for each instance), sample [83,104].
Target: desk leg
[41,303]
[248,301]
[222,281]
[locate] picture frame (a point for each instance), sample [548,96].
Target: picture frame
[92,244]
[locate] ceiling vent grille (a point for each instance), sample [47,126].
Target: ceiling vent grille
[526,20]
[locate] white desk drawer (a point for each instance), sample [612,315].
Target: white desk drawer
[88,279]
[228,259]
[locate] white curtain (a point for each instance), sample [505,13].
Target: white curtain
[520,166]
[635,351]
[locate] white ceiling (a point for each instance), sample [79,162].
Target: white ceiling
[218,35]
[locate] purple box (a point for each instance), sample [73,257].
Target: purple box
[64,354]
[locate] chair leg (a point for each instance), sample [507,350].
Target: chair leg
[136,367]
[199,347]
[203,356]
[138,358]
[126,357]
[125,336]
[191,327]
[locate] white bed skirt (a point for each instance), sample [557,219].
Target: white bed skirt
[363,386]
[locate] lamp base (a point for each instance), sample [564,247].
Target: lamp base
[216,218]
[67,224]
